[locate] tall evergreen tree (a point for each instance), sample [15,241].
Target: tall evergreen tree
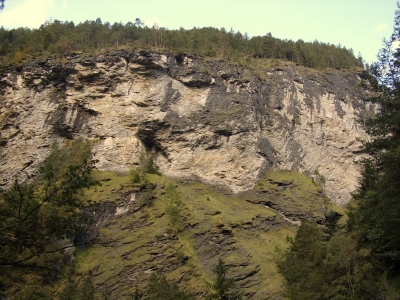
[159,288]
[37,214]
[223,286]
[376,217]
[302,263]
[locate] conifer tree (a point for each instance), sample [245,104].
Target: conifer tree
[376,217]
[36,215]
[302,263]
[223,286]
[159,288]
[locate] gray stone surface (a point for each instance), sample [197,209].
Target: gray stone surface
[216,121]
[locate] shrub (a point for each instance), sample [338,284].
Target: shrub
[147,163]
[135,175]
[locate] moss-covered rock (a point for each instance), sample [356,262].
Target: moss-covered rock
[245,230]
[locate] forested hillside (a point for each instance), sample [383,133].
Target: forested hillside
[175,103]
[63,38]
[361,259]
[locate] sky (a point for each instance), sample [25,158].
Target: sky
[357,24]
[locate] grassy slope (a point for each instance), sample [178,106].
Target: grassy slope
[241,229]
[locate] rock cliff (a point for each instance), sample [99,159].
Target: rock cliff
[218,122]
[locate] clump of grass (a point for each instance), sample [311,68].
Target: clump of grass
[319,178]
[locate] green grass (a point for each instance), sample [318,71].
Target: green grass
[214,211]
[293,192]
[143,240]
[113,184]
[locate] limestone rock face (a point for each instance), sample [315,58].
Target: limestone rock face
[214,121]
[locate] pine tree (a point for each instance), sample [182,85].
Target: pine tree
[159,288]
[302,263]
[36,215]
[224,287]
[376,217]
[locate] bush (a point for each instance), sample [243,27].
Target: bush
[36,215]
[147,165]
[302,263]
[135,175]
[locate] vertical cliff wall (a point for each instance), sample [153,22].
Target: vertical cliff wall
[215,121]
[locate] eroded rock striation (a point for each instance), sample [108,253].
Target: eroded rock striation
[221,123]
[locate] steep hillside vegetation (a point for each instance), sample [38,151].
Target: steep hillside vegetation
[248,147]
[65,38]
[362,259]
[180,228]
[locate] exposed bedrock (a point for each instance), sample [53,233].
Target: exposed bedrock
[211,120]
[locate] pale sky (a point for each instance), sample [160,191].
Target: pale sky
[357,24]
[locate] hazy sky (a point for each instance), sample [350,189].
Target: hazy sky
[357,24]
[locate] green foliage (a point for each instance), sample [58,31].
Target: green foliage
[70,291]
[173,208]
[319,179]
[34,292]
[87,288]
[147,194]
[74,291]
[147,165]
[135,175]
[348,273]
[375,218]
[301,263]
[314,270]
[37,215]
[63,38]
[224,287]
[138,295]
[159,288]
[364,262]
[337,269]
[331,223]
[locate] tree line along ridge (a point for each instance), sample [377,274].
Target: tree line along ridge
[61,38]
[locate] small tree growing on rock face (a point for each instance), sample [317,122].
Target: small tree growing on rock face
[224,287]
